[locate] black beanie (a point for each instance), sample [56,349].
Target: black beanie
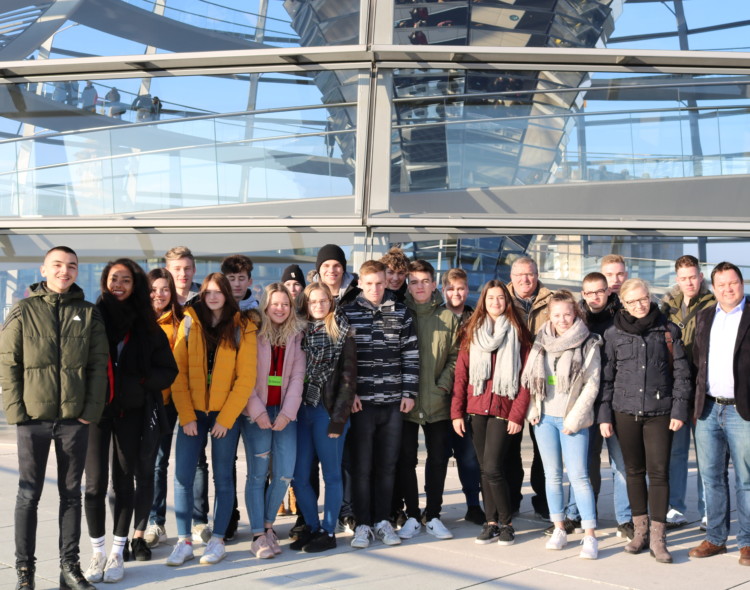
[330,252]
[293,273]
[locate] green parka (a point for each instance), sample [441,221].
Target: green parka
[437,329]
[53,358]
[671,306]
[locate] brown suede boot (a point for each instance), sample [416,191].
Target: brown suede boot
[640,538]
[658,544]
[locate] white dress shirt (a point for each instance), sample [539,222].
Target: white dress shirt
[721,351]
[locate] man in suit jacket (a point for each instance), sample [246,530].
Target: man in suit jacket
[721,351]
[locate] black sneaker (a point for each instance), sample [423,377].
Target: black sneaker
[140,550]
[321,541]
[507,535]
[303,538]
[71,577]
[299,525]
[475,514]
[626,530]
[25,578]
[570,526]
[489,534]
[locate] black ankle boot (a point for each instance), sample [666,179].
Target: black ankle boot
[25,578]
[140,550]
[71,578]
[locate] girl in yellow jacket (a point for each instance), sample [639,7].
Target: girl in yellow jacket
[216,354]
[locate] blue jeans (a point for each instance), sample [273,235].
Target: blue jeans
[261,447]
[312,439]
[721,428]
[554,447]
[469,473]
[678,469]
[186,462]
[617,463]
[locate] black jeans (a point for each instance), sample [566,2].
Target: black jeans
[34,439]
[513,469]
[437,438]
[376,439]
[646,447]
[133,465]
[492,443]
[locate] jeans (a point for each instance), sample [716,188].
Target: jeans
[186,462]
[721,428]
[678,469]
[158,513]
[556,447]
[467,464]
[313,443]
[376,438]
[262,446]
[33,440]
[646,447]
[437,437]
[492,442]
[617,463]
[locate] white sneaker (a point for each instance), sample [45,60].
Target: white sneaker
[410,528]
[155,534]
[201,533]
[95,572]
[675,518]
[181,553]
[214,553]
[438,530]
[558,540]
[114,570]
[384,531]
[590,549]
[362,536]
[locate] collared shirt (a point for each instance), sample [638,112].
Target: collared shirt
[721,351]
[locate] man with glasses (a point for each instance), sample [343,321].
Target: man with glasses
[721,351]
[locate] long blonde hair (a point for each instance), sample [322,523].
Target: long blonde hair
[332,326]
[278,334]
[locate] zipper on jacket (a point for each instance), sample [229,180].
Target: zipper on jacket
[59,354]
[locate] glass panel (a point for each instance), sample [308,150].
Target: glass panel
[132,27]
[673,24]
[207,141]
[455,129]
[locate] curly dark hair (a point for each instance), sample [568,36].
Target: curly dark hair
[139,300]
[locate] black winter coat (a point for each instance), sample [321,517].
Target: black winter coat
[636,375]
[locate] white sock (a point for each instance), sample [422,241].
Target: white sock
[118,545]
[98,545]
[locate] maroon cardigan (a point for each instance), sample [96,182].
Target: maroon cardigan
[488,404]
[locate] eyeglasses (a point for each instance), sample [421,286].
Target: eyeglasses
[643,301]
[597,293]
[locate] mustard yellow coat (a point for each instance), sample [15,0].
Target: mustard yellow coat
[233,374]
[165,323]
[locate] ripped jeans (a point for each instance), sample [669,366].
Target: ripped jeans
[265,449]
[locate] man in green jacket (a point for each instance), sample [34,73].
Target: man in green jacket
[53,372]
[437,329]
[681,305]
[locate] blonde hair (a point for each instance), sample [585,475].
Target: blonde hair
[612,259]
[278,334]
[332,327]
[631,284]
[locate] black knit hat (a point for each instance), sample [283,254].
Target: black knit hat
[330,252]
[293,273]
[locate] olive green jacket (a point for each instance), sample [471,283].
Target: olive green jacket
[437,329]
[53,358]
[671,306]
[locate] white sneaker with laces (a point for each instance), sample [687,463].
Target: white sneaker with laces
[362,536]
[676,518]
[155,534]
[181,553]
[438,530]
[410,528]
[214,553]
[201,533]
[95,572]
[384,531]
[114,570]
[558,540]
[590,549]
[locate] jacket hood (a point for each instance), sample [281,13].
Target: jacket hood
[248,301]
[424,308]
[674,296]
[389,300]
[542,294]
[40,290]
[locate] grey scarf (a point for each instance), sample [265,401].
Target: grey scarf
[500,336]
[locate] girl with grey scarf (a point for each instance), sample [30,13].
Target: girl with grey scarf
[562,374]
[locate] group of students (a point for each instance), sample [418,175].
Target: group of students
[341,373]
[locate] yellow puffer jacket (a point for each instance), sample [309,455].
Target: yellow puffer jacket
[166,323]
[233,374]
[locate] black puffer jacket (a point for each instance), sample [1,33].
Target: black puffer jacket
[636,376]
